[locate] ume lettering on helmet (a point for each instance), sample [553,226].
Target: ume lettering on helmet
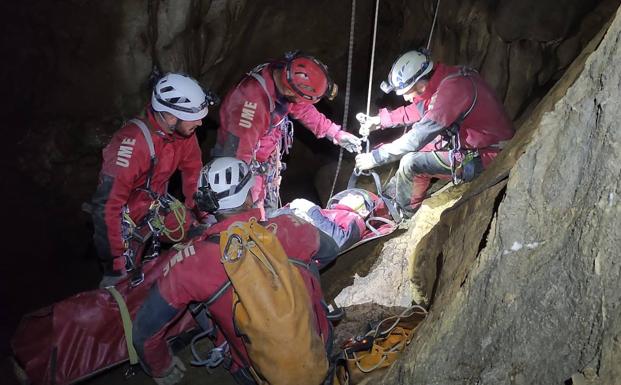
[230,179]
[406,71]
[181,96]
[307,77]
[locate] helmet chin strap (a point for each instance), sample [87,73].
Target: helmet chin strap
[170,127]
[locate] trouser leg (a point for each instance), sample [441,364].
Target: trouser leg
[414,175]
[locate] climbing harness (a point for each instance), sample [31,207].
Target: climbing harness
[274,166]
[459,158]
[153,224]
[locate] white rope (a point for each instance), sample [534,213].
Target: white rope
[372,56]
[433,24]
[350,54]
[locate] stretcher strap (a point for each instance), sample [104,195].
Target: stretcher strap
[127,324]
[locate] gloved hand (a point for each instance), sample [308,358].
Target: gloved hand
[206,200]
[365,161]
[174,376]
[348,141]
[368,123]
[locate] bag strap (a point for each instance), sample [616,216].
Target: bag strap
[127,324]
[147,136]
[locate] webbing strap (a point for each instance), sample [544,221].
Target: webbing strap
[261,81]
[127,324]
[147,136]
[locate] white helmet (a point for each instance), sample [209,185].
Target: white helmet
[181,96]
[230,179]
[406,71]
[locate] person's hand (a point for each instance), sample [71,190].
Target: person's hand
[368,123]
[174,376]
[365,161]
[206,200]
[348,141]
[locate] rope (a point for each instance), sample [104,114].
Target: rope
[433,24]
[372,56]
[350,54]
[178,210]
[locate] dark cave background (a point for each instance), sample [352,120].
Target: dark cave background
[73,71]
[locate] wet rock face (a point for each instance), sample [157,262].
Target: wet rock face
[536,298]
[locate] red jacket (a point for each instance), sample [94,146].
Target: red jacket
[248,124]
[442,103]
[196,274]
[126,163]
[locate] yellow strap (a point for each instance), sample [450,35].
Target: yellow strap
[127,324]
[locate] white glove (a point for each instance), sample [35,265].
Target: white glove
[348,141]
[175,375]
[368,123]
[365,161]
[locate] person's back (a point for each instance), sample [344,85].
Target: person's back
[199,276]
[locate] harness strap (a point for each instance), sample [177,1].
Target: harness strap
[127,324]
[261,81]
[147,136]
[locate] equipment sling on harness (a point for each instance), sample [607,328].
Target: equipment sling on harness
[153,224]
[459,158]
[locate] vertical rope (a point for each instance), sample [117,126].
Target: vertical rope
[350,54]
[372,56]
[433,24]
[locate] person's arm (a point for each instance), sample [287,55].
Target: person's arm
[452,99]
[321,126]
[190,167]
[401,116]
[124,161]
[339,234]
[244,119]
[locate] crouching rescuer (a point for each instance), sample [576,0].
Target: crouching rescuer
[457,124]
[253,284]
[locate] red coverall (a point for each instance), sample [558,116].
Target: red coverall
[442,104]
[251,129]
[126,163]
[196,273]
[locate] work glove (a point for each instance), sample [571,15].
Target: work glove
[301,207]
[206,199]
[368,123]
[365,161]
[348,141]
[174,376]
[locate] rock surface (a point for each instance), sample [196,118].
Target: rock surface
[528,291]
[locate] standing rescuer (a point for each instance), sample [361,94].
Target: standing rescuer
[137,165]
[458,126]
[254,118]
